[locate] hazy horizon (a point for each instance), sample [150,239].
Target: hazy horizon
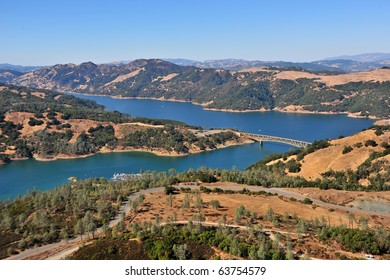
[184,58]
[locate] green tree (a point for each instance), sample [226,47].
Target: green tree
[64,234]
[79,228]
[169,200]
[223,220]
[186,201]
[180,251]
[269,214]
[198,202]
[215,204]
[351,219]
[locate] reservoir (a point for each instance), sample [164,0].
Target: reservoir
[19,176]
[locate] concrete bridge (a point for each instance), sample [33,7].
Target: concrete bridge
[268,138]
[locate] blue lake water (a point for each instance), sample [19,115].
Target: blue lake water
[19,176]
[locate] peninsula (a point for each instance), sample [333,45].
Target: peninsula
[49,125]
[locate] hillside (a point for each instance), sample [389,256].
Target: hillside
[48,125]
[357,162]
[6,75]
[173,215]
[261,88]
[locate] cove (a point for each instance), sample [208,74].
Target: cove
[19,176]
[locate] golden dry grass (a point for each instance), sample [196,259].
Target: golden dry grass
[340,197]
[121,78]
[332,157]
[378,75]
[155,204]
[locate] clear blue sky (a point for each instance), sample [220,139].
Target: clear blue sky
[47,32]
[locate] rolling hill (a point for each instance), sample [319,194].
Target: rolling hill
[357,162]
[259,88]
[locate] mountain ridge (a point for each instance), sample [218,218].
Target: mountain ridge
[337,64]
[261,88]
[343,63]
[364,57]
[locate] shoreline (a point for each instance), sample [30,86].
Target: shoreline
[276,109]
[155,152]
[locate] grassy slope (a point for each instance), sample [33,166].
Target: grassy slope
[356,155]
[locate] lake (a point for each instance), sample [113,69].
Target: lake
[20,176]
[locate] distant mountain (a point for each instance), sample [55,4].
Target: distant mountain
[366,57]
[345,63]
[266,88]
[240,64]
[90,78]
[7,75]
[19,68]
[358,63]
[336,66]
[182,61]
[349,66]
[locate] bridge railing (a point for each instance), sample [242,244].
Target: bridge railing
[270,138]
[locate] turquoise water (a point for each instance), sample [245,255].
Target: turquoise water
[20,176]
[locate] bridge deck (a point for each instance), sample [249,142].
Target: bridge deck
[269,138]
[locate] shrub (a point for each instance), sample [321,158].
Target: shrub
[34,122]
[358,145]
[370,143]
[215,204]
[170,190]
[204,189]
[347,149]
[385,145]
[307,201]
[293,166]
